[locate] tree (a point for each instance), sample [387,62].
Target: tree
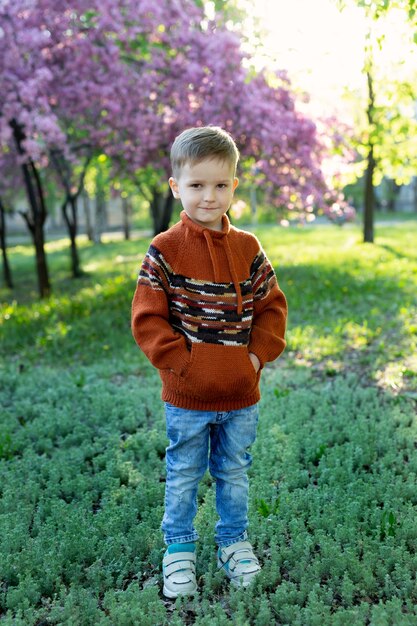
[121,79]
[98,183]
[8,181]
[61,68]
[36,215]
[369,199]
[385,141]
[204,81]
[7,274]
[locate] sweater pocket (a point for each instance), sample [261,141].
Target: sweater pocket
[218,371]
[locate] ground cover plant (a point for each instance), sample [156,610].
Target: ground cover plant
[333,484]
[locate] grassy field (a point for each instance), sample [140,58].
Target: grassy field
[333,507]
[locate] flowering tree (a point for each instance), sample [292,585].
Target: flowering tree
[77,79]
[206,82]
[123,78]
[61,69]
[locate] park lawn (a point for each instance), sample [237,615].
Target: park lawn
[333,507]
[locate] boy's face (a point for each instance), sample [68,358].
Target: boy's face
[206,190]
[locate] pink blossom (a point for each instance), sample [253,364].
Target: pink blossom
[131,76]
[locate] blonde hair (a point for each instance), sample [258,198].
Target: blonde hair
[205,142]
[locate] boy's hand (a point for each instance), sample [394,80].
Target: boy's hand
[255,361]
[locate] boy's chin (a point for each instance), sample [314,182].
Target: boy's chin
[210,218]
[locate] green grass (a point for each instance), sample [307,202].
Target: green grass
[333,484]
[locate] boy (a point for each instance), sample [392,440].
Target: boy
[208,313]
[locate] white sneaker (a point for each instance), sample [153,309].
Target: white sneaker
[239,563]
[179,574]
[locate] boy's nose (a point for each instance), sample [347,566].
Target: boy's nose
[209,195]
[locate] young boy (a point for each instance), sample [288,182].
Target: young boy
[208,313]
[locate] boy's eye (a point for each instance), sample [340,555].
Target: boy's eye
[200,185]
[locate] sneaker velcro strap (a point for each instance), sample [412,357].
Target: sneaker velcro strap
[179,556]
[237,547]
[179,566]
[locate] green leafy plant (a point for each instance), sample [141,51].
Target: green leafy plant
[266,509]
[388,525]
[333,503]
[6,450]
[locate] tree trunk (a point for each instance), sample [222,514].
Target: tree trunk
[369,199]
[87,215]
[36,216]
[167,209]
[415,193]
[7,274]
[72,191]
[41,264]
[99,216]
[393,192]
[72,226]
[155,210]
[369,204]
[127,214]
[161,210]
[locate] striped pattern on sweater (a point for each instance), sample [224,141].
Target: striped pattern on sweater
[203,311]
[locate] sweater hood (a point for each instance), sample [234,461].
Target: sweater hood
[223,237]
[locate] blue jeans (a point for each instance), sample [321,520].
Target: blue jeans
[208,439]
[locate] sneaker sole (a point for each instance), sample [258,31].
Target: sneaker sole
[174,594]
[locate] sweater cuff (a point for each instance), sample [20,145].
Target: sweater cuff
[264,353]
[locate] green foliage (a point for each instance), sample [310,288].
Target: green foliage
[387,121]
[266,509]
[5,445]
[388,524]
[333,499]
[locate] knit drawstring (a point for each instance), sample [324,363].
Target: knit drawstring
[234,277]
[232,267]
[212,253]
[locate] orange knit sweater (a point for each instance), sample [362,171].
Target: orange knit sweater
[203,301]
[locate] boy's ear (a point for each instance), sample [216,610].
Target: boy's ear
[235,183]
[174,187]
